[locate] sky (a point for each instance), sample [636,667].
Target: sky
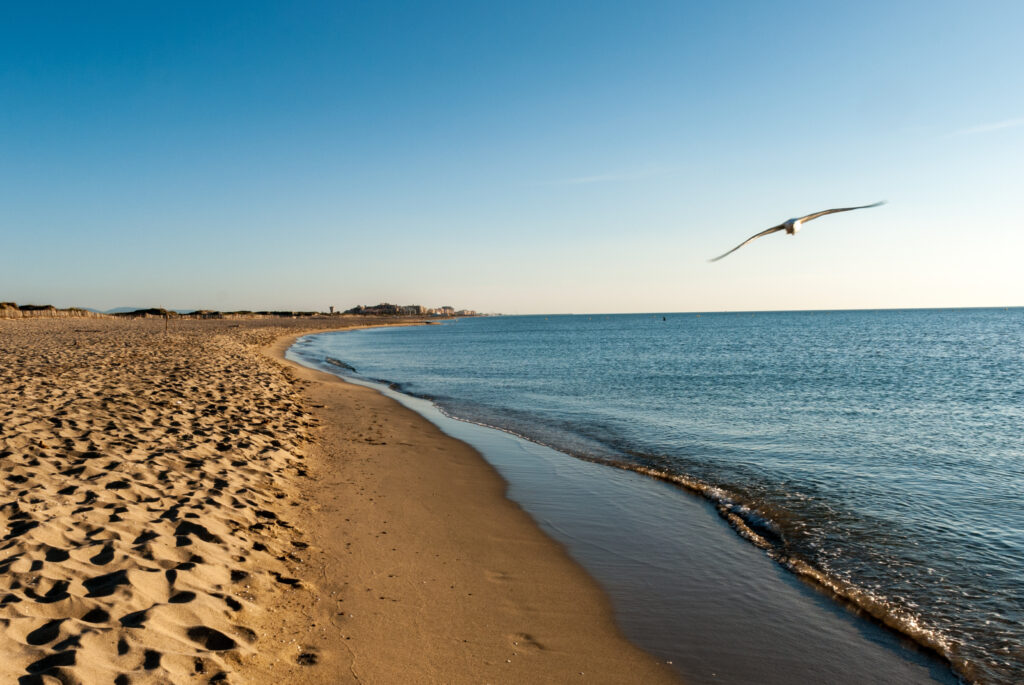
[517,157]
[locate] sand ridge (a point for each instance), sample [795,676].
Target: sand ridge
[149,499]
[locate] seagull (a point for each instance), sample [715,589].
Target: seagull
[793,225]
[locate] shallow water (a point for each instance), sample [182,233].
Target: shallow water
[878,453]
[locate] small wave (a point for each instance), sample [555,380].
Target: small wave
[760,531]
[340,364]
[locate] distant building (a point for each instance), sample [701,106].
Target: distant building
[387,309]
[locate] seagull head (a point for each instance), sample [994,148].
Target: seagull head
[792,226]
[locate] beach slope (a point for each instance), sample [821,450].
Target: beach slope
[426,572]
[179,505]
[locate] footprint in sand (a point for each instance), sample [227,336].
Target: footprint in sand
[525,642]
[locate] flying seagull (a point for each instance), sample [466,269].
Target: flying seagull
[793,225]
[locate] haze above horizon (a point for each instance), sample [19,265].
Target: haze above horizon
[527,158]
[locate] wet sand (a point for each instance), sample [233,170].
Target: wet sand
[185,507]
[429,572]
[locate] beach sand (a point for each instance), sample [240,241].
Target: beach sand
[186,507]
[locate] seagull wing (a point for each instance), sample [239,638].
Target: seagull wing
[805,219]
[773,229]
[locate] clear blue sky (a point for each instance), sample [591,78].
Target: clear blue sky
[516,157]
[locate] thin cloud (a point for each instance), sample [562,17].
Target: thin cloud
[986,128]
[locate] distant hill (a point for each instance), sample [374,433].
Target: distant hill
[128,310]
[123,310]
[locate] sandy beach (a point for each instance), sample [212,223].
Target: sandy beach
[188,507]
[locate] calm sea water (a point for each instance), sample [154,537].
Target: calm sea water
[880,454]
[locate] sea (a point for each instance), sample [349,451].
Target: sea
[878,455]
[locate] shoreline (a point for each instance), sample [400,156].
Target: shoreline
[176,508]
[816,612]
[513,605]
[186,505]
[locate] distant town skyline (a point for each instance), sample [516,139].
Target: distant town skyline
[520,158]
